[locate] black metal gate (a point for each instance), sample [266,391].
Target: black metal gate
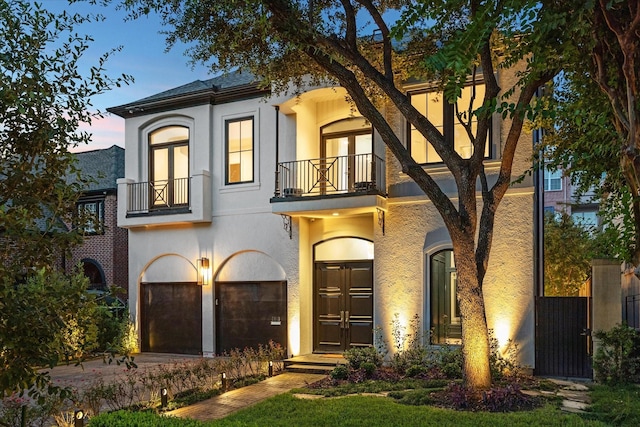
[563,337]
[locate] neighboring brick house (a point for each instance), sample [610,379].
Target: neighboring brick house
[561,196]
[104,251]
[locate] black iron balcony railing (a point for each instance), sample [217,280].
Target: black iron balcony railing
[359,173]
[152,196]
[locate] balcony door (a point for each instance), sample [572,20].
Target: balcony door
[347,154]
[169,167]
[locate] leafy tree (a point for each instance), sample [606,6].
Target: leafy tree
[43,101]
[569,248]
[288,41]
[595,132]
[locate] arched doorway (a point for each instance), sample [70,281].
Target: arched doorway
[343,294]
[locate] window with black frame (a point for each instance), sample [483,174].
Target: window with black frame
[448,119]
[239,150]
[169,167]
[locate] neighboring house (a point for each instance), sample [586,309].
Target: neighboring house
[103,252]
[560,196]
[286,218]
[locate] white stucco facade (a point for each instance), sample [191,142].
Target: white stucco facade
[249,237]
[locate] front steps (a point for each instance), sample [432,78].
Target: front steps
[314,363]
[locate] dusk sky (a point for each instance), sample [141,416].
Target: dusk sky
[143,56]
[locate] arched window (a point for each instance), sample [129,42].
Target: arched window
[169,167]
[445,313]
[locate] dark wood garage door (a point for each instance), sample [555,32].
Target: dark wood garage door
[249,314]
[171,318]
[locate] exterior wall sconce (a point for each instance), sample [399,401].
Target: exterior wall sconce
[164,397]
[204,272]
[78,418]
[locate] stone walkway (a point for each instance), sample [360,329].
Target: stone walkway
[220,406]
[575,395]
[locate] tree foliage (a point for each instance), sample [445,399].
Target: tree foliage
[43,100]
[595,132]
[569,248]
[289,43]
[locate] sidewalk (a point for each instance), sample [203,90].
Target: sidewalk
[220,406]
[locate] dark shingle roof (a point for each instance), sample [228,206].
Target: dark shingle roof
[104,167]
[220,89]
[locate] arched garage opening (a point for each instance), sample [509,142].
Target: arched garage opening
[170,306]
[250,302]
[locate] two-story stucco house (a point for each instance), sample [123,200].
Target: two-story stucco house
[254,217]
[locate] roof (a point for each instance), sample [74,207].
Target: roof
[217,90]
[103,166]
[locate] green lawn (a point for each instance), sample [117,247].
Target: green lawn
[286,410]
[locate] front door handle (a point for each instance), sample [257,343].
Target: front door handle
[346,320]
[342,319]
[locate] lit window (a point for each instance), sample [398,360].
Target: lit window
[169,165]
[91,216]
[553,180]
[239,134]
[443,116]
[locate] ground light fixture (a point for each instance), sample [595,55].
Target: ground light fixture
[223,380]
[164,397]
[270,368]
[78,418]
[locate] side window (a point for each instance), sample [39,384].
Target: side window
[444,117]
[169,167]
[239,150]
[445,322]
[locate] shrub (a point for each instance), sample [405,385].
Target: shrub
[451,361]
[358,356]
[502,365]
[617,359]
[369,369]
[340,372]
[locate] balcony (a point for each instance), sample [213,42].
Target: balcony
[353,182]
[182,200]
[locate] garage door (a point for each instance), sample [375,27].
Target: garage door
[171,318]
[249,314]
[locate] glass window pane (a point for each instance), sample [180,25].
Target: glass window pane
[246,163]
[181,162]
[169,134]
[234,167]
[246,135]
[160,164]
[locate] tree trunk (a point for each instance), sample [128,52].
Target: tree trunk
[475,337]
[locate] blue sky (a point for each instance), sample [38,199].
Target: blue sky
[143,56]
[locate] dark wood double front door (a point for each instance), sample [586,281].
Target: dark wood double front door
[343,305]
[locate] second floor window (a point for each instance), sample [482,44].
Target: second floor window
[169,167]
[444,117]
[239,146]
[553,180]
[91,216]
